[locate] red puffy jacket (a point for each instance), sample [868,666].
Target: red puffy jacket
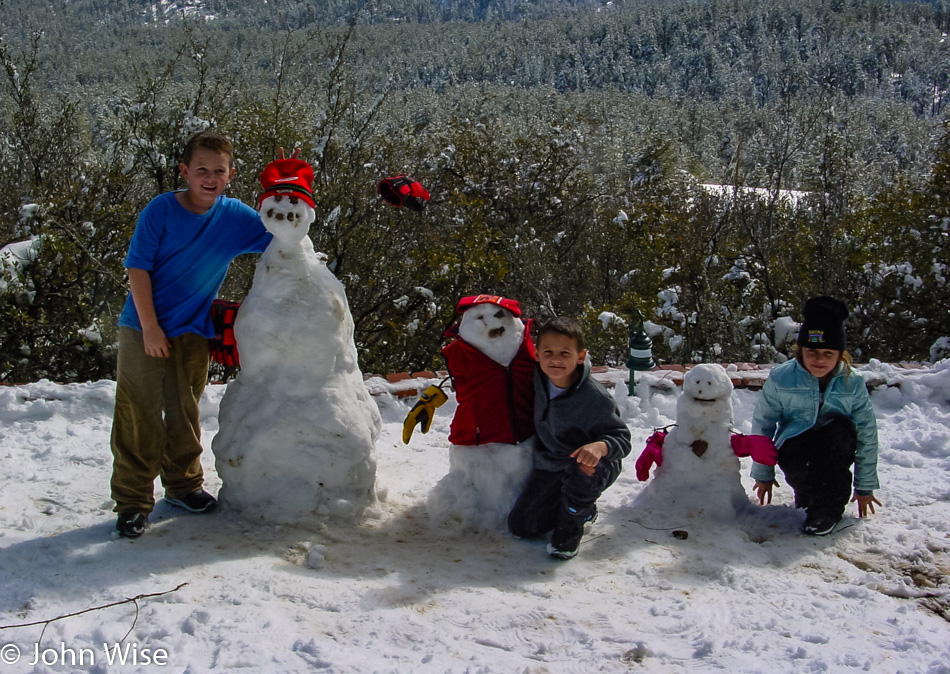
[495,403]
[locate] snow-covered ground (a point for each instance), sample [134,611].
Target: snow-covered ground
[394,594]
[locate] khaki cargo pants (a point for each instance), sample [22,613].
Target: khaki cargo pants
[156,429]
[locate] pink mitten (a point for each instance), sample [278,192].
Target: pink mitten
[759,447]
[652,453]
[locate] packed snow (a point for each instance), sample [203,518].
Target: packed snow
[395,593]
[14,257]
[300,389]
[697,458]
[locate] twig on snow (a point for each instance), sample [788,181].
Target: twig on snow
[130,600]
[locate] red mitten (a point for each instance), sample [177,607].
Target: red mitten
[223,348]
[652,453]
[759,447]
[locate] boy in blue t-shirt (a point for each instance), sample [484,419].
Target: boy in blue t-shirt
[178,257]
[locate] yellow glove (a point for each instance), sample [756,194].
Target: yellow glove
[423,411]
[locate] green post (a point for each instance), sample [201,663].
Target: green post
[641,350]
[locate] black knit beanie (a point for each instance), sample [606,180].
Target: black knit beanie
[823,327]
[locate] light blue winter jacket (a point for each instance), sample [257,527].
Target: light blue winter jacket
[789,405]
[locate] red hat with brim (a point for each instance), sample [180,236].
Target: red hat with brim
[289,178]
[469,302]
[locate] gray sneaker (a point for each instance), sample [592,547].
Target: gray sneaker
[198,501]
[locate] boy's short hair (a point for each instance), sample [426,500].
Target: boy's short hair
[562,325]
[207,140]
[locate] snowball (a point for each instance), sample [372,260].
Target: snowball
[317,557]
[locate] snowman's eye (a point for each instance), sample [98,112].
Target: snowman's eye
[498,314]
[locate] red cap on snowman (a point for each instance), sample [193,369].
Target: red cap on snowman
[472,300]
[287,177]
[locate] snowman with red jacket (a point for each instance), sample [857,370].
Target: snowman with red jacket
[490,358]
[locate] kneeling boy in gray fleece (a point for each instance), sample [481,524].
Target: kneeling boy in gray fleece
[579,445]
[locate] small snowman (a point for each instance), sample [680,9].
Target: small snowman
[698,476]
[297,427]
[491,361]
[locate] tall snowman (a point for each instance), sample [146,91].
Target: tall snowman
[698,476]
[297,427]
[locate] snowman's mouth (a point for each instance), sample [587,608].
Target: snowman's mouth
[705,400]
[496,332]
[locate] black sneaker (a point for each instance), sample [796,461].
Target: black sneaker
[802,500]
[569,530]
[198,501]
[566,539]
[819,524]
[131,524]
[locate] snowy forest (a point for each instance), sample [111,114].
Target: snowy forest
[709,163]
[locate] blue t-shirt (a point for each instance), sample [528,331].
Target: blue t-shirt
[187,257]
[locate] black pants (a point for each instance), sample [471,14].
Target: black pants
[548,493]
[817,465]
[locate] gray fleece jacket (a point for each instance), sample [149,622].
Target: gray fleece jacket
[583,414]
